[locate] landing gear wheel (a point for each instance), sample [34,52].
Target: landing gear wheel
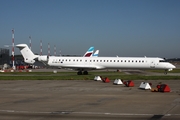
[85,72]
[79,73]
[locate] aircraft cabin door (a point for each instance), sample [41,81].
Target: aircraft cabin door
[87,62]
[152,64]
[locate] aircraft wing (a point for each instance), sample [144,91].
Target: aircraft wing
[82,67]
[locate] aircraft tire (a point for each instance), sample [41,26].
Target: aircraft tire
[79,73]
[85,72]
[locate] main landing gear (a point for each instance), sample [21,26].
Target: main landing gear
[82,73]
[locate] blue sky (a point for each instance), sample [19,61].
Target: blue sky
[115,27]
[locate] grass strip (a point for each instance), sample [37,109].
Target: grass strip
[89,77]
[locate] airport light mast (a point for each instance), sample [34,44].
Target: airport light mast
[13,66]
[30,42]
[54,50]
[41,47]
[49,49]
[60,53]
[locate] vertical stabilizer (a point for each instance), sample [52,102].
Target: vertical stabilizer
[96,53]
[27,54]
[89,52]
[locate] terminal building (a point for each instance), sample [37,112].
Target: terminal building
[4,57]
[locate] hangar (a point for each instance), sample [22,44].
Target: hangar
[4,56]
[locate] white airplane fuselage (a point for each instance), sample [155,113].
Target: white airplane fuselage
[94,63]
[87,63]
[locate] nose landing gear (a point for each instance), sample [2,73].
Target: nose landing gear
[165,72]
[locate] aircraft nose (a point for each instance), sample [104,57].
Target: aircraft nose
[172,66]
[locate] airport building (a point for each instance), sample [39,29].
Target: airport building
[4,56]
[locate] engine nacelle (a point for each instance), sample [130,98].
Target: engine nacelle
[29,61]
[43,58]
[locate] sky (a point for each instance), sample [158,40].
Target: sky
[127,28]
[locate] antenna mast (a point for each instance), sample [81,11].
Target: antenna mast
[13,49]
[41,47]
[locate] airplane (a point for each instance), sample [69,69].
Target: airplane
[83,64]
[34,59]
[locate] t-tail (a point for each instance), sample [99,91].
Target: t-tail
[27,54]
[30,57]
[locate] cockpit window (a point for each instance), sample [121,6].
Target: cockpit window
[162,61]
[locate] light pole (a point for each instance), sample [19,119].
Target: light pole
[13,49]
